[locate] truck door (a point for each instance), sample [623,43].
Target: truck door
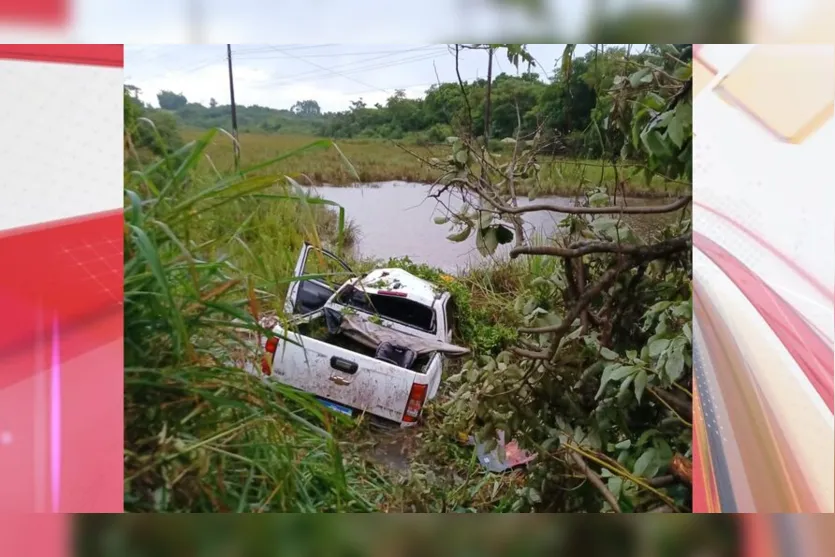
[317,275]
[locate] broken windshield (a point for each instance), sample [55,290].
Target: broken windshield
[395,308]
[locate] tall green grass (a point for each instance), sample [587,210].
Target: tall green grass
[201,435]
[376,160]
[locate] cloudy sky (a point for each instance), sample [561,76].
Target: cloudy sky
[279,75]
[378,21]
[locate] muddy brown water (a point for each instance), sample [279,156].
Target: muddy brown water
[395,219]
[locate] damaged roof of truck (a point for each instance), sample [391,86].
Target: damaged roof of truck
[399,282]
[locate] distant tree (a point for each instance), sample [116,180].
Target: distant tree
[160,137]
[306,108]
[169,100]
[133,90]
[565,102]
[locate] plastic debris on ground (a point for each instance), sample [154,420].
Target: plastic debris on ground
[513,458]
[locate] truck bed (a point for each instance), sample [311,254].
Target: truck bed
[316,329]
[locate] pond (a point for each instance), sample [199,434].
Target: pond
[395,219]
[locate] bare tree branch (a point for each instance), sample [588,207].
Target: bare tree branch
[605,280]
[609,210]
[583,248]
[595,481]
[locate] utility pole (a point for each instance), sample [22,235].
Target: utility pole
[234,113]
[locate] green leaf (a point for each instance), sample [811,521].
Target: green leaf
[608,354]
[151,255]
[461,157]
[683,72]
[605,226]
[461,235]
[654,143]
[623,445]
[658,346]
[487,241]
[441,219]
[662,120]
[615,485]
[622,372]
[688,332]
[599,199]
[654,101]
[533,496]
[675,365]
[638,77]
[606,377]
[472,374]
[644,461]
[637,126]
[675,131]
[645,437]
[624,387]
[684,113]
[669,49]
[647,176]
[485,219]
[640,384]
[658,307]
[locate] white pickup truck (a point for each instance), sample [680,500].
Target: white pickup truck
[376,344]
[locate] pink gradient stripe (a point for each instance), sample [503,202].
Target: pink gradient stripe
[812,354]
[55,419]
[35,535]
[828,293]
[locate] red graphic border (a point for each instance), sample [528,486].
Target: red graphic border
[109,55]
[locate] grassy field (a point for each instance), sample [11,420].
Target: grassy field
[380,161]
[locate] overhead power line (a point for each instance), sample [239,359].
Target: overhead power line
[381,53]
[355,66]
[347,73]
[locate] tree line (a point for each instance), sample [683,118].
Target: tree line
[563,107]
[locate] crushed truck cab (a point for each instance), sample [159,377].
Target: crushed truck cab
[375,344]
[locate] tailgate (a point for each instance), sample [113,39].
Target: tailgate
[345,377]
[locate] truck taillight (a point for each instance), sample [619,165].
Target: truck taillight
[267,361]
[417,396]
[272,345]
